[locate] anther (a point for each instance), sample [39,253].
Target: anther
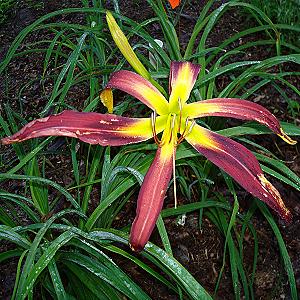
[191,127]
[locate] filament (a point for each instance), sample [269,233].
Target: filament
[187,130]
[155,137]
[180,112]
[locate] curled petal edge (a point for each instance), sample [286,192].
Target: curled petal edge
[239,109]
[92,128]
[240,164]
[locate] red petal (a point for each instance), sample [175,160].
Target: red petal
[151,198]
[236,108]
[240,164]
[92,128]
[140,88]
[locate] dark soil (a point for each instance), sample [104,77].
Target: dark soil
[200,251]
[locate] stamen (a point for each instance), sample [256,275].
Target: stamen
[191,127]
[153,120]
[186,131]
[183,133]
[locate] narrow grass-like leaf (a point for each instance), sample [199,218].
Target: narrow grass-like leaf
[107,275]
[113,268]
[56,280]
[67,71]
[279,176]
[9,234]
[183,209]
[22,35]
[87,281]
[122,187]
[283,250]
[183,277]
[168,30]
[19,200]
[232,88]
[201,21]
[246,224]
[6,219]
[28,266]
[287,174]
[42,263]
[164,235]
[255,129]
[91,176]
[141,264]
[29,156]
[44,181]
[39,192]
[9,254]
[18,273]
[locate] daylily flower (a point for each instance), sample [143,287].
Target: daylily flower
[175,119]
[174,3]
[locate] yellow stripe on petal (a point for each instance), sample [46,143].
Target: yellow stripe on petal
[201,135]
[143,127]
[183,76]
[124,46]
[90,127]
[154,187]
[199,109]
[156,99]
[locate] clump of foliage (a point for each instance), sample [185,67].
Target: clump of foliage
[282,12]
[5,8]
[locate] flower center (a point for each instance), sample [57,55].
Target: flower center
[175,125]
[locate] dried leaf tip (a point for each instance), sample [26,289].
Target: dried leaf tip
[286,138]
[135,249]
